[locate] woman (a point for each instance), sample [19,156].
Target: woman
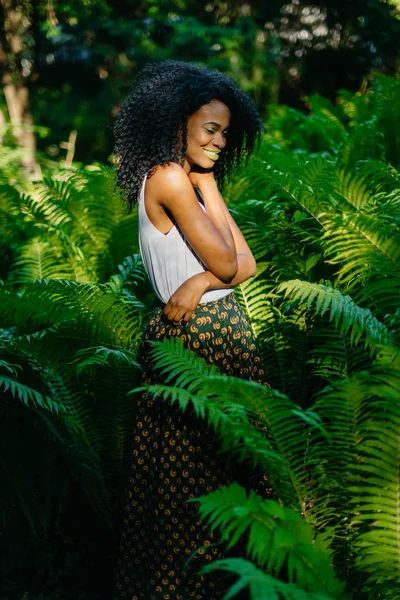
[181,132]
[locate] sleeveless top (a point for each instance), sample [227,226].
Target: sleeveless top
[168,259]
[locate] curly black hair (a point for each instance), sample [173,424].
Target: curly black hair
[165,94]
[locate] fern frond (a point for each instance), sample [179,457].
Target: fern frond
[79,216]
[366,142]
[132,270]
[259,584]
[86,358]
[360,468]
[101,314]
[231,421]
[40,207]
[386,103]
[11,368]
[381,177]
[39,259]
[256,219]
[375,487]
[288,187]
[355,187]
[180,365]
[30,396]
[280,427]
[331,355]
[254,296]
[278,537]
[347,317]
[366,250]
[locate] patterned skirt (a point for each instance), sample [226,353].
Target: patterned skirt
[174,458]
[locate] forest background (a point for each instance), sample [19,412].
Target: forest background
[319,205]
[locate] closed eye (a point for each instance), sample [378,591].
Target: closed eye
[224,133]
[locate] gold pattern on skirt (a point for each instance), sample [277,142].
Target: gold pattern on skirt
[174,458]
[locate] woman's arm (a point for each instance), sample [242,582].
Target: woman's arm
[246,262]
[245,271]
[186,298]
[208,233]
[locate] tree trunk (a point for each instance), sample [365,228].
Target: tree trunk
[14,85]
[3,124]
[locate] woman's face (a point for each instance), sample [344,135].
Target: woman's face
[206,135]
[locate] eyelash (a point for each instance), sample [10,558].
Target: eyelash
[212,131]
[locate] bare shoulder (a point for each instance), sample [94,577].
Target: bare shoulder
[167,180]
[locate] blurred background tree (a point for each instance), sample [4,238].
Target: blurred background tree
[55,56]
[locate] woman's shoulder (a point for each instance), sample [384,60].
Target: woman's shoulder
[169,177]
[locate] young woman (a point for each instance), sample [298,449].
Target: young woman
[179,135]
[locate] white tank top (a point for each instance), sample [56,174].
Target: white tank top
[169,260]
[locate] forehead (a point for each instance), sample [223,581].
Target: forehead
[215,111]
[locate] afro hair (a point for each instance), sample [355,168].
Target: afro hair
[165,94]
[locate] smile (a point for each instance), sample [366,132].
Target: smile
[211,154]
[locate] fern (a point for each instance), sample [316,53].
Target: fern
[376,492]
[260,584]
[278,538]
[319,208]
[275,436]
[72,233]
[28,396]
[361,468]
[345,314]
[365,249]
[65,330]
[331,355]
[237,431]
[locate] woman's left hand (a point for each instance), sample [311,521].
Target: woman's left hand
[186,298]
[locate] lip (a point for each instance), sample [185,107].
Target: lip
[213,154]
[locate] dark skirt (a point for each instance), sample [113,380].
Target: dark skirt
[174,458]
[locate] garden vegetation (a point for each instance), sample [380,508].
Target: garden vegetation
[319,206]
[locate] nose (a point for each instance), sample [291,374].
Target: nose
[219,140]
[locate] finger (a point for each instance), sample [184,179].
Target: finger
[167,310]
[173,315]
[187,316]
[178,315]
[170,314]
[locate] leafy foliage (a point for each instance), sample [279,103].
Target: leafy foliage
[259,583]
[323,225]
[319,207]
[67,351]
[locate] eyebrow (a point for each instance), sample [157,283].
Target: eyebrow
[216,124]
